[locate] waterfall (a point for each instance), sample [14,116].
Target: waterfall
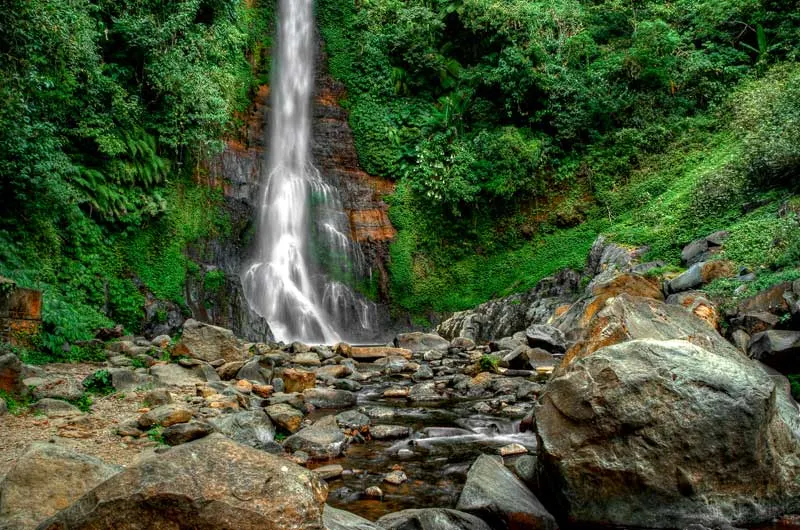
[305,261]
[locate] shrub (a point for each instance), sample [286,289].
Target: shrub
[794,380]
[99,383]
[488,363]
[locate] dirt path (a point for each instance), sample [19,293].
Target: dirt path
[93,433]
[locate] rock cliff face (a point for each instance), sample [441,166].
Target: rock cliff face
[238,172]
[362,195]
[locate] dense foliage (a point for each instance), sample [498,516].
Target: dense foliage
[506,122]
[516,130]
[107,109]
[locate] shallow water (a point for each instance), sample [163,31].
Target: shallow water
[443,445]
[444,442]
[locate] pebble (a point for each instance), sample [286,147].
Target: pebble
[512,449]
[374,492]
[244,386]
[395,477]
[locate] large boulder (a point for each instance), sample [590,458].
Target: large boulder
[667,433]
[45,480]
[208,484]
[176,375]
[59,387]
[779,349]
[497,496]
[701,274]
[703,249]
[55,408]
[420,342]
[209,343]
[431,519]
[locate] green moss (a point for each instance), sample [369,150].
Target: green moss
[156,253]
[214,281]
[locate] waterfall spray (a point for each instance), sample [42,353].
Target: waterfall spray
[304,256]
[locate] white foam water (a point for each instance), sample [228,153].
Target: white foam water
[304,255]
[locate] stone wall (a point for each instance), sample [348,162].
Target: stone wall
[20,312]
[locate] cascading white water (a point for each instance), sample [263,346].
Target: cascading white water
[303,240]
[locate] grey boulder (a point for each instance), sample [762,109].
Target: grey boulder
[252,428]
[432,519]
[494,494]
[667,433]
[779,349]
[335,519]
[421,342]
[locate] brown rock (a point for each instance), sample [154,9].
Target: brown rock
[630,317]
[342,349]
[396,392]
[209,343]
[583,311]
[295,380]
[229,370]
[244,386]
[372,353]
[713,270]
[212,483]
[263,391]
[699,305]
[336,371]
[285,416]
[755,322]
[165,415]
[182,433]
[769,300]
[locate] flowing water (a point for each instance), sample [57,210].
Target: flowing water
[306,262]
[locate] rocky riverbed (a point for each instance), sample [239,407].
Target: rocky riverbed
[601,398]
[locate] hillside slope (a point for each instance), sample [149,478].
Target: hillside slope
[517,131]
